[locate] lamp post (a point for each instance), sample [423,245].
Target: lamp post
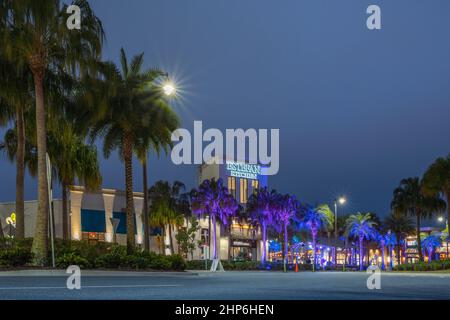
[341,200]
[441,219]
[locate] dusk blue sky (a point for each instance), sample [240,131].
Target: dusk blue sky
[358,110]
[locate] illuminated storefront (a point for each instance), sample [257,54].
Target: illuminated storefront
[240,241]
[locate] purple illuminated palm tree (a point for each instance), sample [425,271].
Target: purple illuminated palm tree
[285,209]
[382,239]
[361,226]
[314,219]
[260,205]
[430,243]
[213,199]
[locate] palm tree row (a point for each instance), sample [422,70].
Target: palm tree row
[75,96]
[422,198]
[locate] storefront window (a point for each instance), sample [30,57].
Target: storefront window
[232,186]
[243,190]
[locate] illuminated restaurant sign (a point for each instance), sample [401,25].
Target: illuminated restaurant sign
[243,170]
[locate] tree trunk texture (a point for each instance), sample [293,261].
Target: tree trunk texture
[172,249]
[361,254]
[20,173]
[65,213]
[214,249]
[264,238]
[419,245]
[40,243]
[127,156]
[145,210]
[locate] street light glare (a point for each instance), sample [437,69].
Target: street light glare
[440,219]
[169,88]
[342,200]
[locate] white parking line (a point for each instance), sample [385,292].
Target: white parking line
[95,287]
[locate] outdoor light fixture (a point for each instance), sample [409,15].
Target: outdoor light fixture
[169,88]
[342,200]
[441,219]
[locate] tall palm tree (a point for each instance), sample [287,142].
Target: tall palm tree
[132,111]
[72,158]
[261,207]
[157,138]
[286,208]
[166,204]
[430,243]
[316,218]
[15,92]
[213,199]
[381,239]
[401,226]
[409,198]
[437,180]
[37,35]
[361,226]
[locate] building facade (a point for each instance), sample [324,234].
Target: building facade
[238,241]
[99,216]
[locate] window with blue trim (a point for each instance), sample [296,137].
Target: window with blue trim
[122,227]
[93,220]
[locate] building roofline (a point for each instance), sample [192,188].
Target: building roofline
[105,191]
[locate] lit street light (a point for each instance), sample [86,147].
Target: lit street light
[441,219]
[341,200]
[169,88]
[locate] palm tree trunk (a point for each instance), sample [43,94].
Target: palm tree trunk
[391,263]
[145,210]
[214,249]
[361,253]
[286,247]
[383,266]
[20,173]
[65,215]
[40,244]
[172,250]
[419,245]
[264,239]
[399,258]
[314,235]
[127,156]
[1,231]
[448,212]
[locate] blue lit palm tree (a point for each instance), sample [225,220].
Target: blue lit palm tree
[213,199]
[430,243]
[382,239]
[314,219]
[260,206]
[391,241]
[361,226]
[286,208]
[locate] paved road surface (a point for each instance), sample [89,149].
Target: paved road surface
[228,285]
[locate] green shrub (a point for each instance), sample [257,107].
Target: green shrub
[177,262]
[116,258]
[71,258]
[14,257]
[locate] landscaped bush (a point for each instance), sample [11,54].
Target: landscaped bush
[14,257]
[424,266]
[71,258]
[14,253]
[247,265]
[116,258]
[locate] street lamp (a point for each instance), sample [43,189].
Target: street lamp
[169,88]
[441,219]
[341,200]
